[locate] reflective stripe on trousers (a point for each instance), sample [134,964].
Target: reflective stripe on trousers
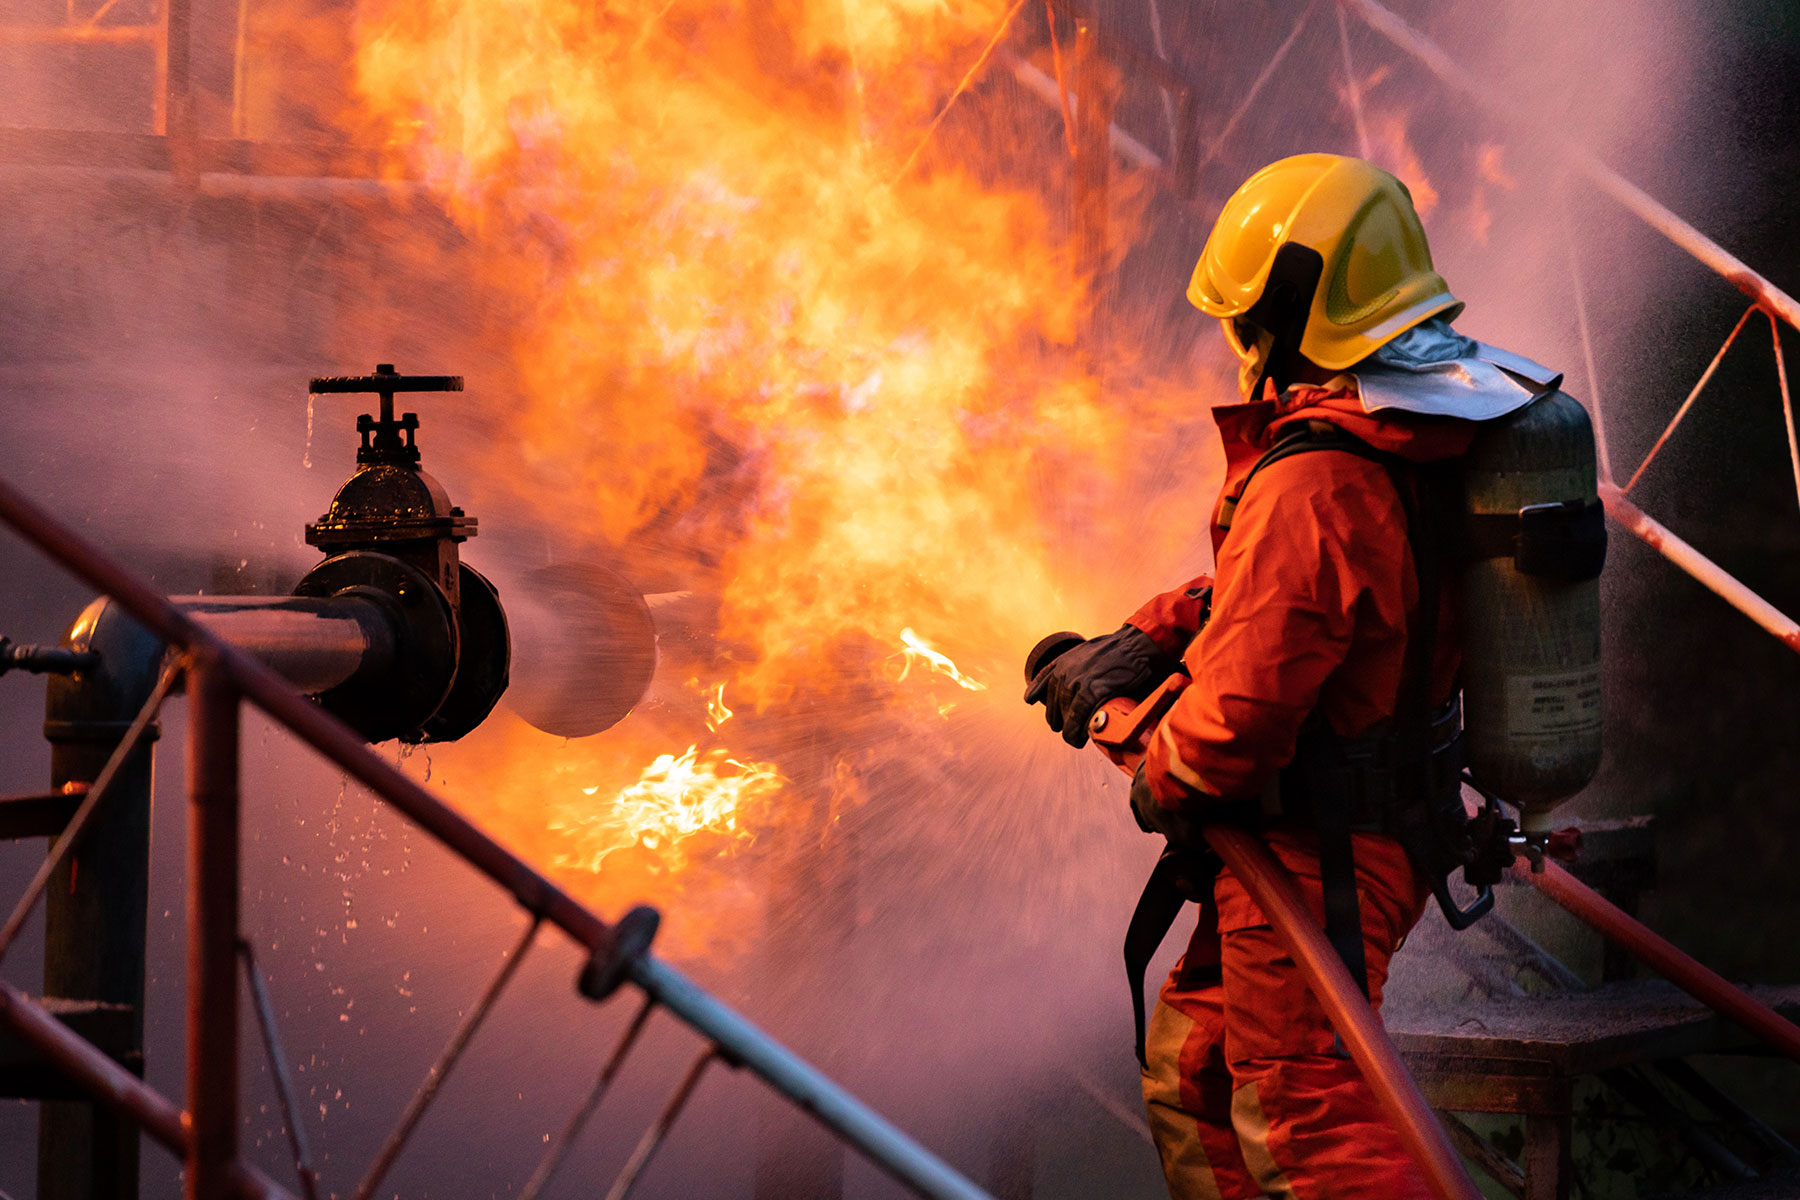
[1247,1092]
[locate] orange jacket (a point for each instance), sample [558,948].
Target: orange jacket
[1313,593]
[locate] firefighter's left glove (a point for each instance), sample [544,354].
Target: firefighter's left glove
[1079,681]
[1182,831]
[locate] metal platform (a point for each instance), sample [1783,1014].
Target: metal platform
[1518,1054]
[1523,1054]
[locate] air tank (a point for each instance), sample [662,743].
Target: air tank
[1531,607]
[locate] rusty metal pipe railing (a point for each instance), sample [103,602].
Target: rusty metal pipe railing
[801,1082]
[175,94]
[1662,956]
[440,1070]
[1654,213]
[658,1132]
[115,1087]
[1720,581]
[278,1072]
[80,35]
[212,1009]
[559,1149]
[888,1148]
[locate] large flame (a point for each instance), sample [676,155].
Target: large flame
[677,797]
[828,375]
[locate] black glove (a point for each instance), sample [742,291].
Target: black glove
[1182,831]
[1077,682]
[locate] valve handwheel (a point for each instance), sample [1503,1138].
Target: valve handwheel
[386,444]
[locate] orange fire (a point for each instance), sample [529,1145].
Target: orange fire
[677,797]
[916,650]
[716,712]
[843,397]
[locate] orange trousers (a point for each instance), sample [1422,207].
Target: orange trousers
[1248,1090]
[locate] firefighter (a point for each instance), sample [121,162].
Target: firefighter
[1323,657]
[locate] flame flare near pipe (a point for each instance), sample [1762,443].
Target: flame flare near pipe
[844,399]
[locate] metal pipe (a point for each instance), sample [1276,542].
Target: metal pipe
[1682,1074]
[1787,399]
[1352,91]
[212,986]
[70,837]
[1501,1169]
[1097,84]
[1272,887]
[96,904]
[968,79]
[1661,956]
[1655,214]
[1578,289]
[1642,1094]
[315,643]
[834,1108]
[885,1145]
[178,107]
[1720,581]
[1693,395]
[114,1086]
[1046,88]
[1248,102]
[91,1070]
[45,660]
[79,35]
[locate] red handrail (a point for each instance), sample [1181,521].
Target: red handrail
[117,1088]
[1662,956]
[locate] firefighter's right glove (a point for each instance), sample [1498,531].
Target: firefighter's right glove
[1079,681]
[1181,830]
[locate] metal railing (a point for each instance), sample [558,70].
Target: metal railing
[219,680]
[1779,307]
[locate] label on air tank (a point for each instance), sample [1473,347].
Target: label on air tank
[1558,705]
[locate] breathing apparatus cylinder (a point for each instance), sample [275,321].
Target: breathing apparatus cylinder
[1531,607]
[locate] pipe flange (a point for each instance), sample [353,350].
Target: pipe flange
[484,667]
[397,699]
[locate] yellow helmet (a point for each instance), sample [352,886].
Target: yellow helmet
[1324,252]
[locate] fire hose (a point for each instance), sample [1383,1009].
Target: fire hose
[1121,730]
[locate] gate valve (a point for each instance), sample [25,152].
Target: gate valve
[390,501]
[392,533]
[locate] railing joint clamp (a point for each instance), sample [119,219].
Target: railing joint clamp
[629,940]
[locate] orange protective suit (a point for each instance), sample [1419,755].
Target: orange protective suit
[1314,590]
